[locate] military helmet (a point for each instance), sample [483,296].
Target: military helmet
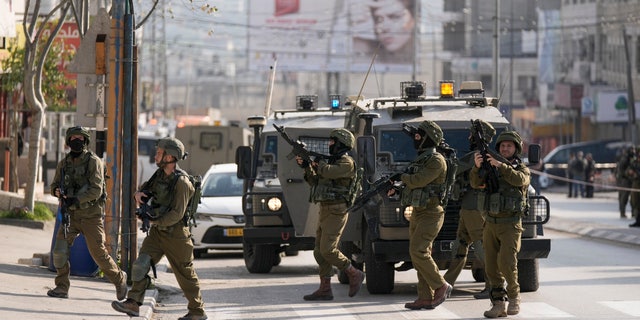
[487,130]
[344,136]
[510,136]
[432,130]
[173,147]
[78,130]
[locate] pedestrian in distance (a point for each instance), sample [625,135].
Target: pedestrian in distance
[569,174]
[168,191]
[471,221]
[578,169]
[633,173]
[623,180]
[423,181]
[331,182]
[503,221]
[79,184]
[589,175]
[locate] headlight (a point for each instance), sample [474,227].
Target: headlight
[408,211]
[273,204]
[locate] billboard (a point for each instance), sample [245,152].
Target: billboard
[614,107]
[332,36]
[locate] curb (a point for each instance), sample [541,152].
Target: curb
[32,224]
[593,231]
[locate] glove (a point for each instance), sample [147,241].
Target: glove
[70,201]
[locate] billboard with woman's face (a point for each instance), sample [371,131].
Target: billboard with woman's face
[337,36]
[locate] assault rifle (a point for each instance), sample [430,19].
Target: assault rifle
[380,186]
[487,172]
[145,213]
[299,148]
[64,211]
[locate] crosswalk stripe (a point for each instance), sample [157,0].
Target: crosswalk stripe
[631,308]
[541,310]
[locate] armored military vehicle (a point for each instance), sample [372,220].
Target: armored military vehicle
[377,235]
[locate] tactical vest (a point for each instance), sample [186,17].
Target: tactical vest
[509,201]
[419,197]
[340,189]
[161,189]
[76,179]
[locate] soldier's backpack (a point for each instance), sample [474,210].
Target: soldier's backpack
[192,206]
[451,159]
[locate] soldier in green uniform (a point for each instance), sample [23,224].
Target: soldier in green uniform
[633,174]
[330,182]
[471,221]
[503,221]
[83,192]
[169,193]
[424,180]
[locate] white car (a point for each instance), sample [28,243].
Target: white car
[219,219]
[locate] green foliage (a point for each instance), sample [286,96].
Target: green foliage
[54,81]
[40,212]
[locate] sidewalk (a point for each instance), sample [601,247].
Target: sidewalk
[24,286]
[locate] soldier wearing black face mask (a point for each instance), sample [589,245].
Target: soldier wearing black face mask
[84,196]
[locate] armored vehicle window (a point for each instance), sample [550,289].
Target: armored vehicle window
[146,146]
[398,144]
[210,141]
[271,146]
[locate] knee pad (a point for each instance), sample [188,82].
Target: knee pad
[60,254]
[140,267]
[478,249]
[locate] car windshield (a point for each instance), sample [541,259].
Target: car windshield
[223,184]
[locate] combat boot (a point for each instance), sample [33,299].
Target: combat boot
[441,294]
[356,277]
[121,288]
[419,304]
[514,306]
[323,293]
[130,307]
[58,293]
[498,309]
[190,316]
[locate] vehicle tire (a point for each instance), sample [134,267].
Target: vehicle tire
[277,259]
[259,258]
[348,248]
[544,181]
[380,275]
[197,253]
[478,274]
[528,275]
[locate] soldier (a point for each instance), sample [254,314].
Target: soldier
[79,183]
[471,221]
[633,173]
[623,180]
[330,182]
[423,181]
[503,221]
[169,192]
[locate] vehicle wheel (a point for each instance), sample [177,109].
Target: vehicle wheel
[478,274]
[277,259]
[197,253]
[528,275]
[543,181]
[380,275]
[348,248]
[259,258]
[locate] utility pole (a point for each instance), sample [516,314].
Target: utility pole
[496,51]
[631,98]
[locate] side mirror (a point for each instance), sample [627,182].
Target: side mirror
[534,153]
[243,160]
[366,147]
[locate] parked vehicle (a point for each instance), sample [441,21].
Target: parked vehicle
[219,219]
[604,154]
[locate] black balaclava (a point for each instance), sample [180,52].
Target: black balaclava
[76,146]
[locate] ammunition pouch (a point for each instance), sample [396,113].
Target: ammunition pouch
[422,197]
[499,204]
[323,193]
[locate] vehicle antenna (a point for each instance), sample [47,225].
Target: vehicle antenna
[375,53]
[267,105]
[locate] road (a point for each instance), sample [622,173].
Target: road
[582,279]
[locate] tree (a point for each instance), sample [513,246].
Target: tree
[54,81]
[36,49]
